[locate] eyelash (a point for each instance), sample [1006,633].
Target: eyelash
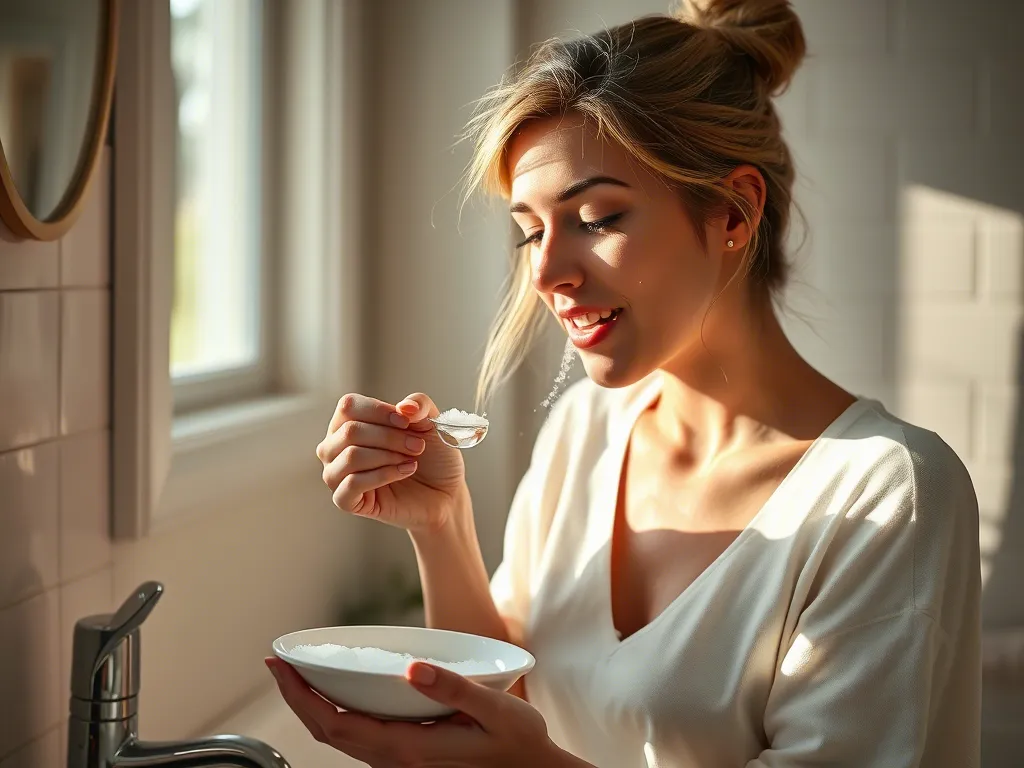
[593,227]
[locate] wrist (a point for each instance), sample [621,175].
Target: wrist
[454,523]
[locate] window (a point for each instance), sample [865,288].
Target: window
[218,349]
[263,257]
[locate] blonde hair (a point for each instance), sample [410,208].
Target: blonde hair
[688,96]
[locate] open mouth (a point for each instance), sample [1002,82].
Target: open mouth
[592,320]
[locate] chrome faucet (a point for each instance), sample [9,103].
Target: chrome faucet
[104,719]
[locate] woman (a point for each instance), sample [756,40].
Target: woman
[718,556]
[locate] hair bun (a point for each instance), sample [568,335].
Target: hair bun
[768,31]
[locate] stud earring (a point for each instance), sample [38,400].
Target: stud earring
[729,244]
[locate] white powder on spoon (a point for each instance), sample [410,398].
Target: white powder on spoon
[455,418]
[367,659]
[462,425]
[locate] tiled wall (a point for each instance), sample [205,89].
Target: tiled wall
[268,561]
[906,124]
[55,554]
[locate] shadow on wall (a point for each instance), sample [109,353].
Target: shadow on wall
[960,353]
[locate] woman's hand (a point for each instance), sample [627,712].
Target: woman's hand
[491,730]
[387,462]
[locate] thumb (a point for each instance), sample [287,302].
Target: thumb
[417,407]
[481,703]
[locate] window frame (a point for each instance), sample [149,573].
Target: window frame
[222,387]
[169,467]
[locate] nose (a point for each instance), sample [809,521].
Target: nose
[554,265]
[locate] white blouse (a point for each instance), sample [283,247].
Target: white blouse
[840,628]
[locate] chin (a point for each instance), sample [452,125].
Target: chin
[611,373]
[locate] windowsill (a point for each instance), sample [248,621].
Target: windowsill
[238,450]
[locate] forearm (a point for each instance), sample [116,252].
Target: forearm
[456,590]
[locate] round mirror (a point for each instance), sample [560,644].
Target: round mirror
[56,82]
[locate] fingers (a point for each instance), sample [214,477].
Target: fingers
[297,699]
[354,407]
[418,408]
[367,435]
[365,738]
[479,702]
[349,495]
[354,459]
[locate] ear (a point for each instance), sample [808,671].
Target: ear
[746,181]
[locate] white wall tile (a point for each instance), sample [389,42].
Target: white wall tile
[937,257]
[940,26]
[30,674]
[997,422]
[844,339]
[843,25]
[795,105]
[855,95]
[29,329]
[84,504]
[44,752]
[978,172]
[944,407]
[850,178]
[937,96]
[85,361]
[993,482]
[847,259]
[1001,23]
[948,341]
[85,249]
[27,264]
[1004,97]
[29,543]
[87,596]
[1001,255]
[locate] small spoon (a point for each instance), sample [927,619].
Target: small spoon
[460,436]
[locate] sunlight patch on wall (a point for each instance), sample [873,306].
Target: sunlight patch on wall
[958,337]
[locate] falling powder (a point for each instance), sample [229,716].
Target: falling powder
[366,659]
[568,356]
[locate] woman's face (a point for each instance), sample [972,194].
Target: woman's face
[613,253]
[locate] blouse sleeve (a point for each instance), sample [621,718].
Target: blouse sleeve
[882,668]
[514,581]
[510,585]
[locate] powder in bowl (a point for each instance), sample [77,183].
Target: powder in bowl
[366,659]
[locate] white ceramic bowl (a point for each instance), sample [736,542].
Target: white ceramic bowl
[390,696]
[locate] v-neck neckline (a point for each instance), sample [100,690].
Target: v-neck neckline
[619,444]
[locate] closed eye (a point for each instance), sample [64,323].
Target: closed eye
[534,238]
[593,227]
[600,225]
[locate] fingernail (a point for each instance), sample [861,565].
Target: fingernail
[422,674]
[407,468]
[399,420]
[415,444]
[408,405]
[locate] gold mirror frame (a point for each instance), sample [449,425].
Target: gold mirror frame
[13,211]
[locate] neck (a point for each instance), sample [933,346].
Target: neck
[747,385]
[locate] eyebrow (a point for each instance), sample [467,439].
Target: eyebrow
[573,190]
